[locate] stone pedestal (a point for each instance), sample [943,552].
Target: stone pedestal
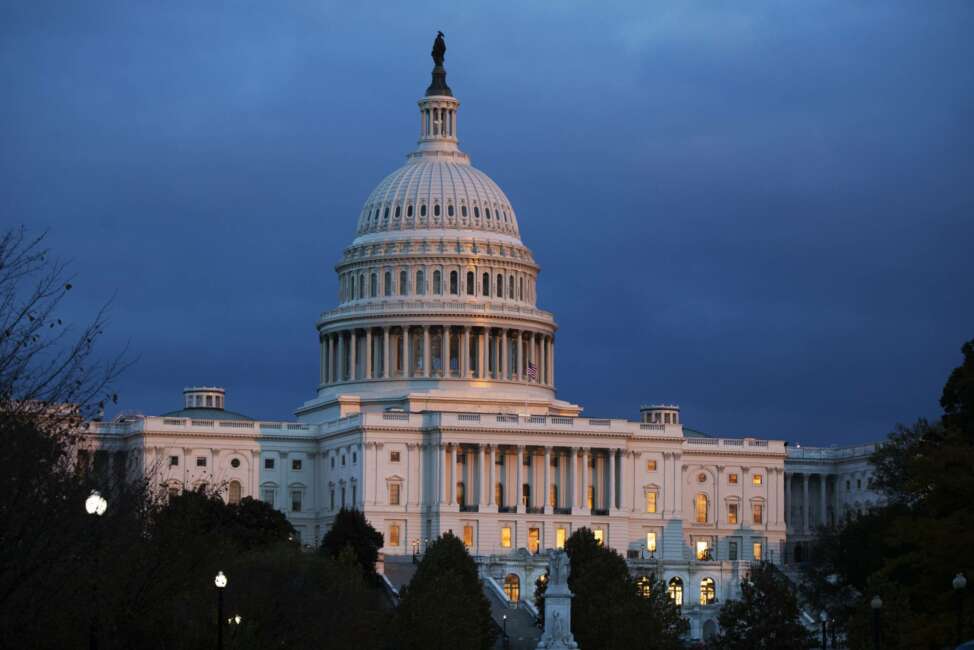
[558,606]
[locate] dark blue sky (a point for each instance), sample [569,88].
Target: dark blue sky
[762,211]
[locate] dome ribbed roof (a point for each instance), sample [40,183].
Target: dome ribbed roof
[429,193]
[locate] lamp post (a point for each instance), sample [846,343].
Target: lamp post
[221,583]
[877,604]
[95,505]
[504,618]
[823,617]
[960,585]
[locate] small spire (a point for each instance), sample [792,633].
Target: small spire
[439,87]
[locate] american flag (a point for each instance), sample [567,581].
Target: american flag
[532,371]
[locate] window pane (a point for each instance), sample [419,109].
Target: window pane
[651,542]
[506,537]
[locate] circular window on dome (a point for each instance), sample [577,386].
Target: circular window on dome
[701,478]
[235,463]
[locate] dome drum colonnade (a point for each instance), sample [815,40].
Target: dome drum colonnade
[437,253]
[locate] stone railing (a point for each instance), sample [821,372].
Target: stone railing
[798,452]
[395,306]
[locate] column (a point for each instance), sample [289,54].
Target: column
[332,360]
[482,479]
[491,481]
[452,474]
[427,357]
[518,489]
[805,512]
[586,455]
[522,367]
[352,361]
[787,498]
[341,356]
[446,351]
[678,482]
[324,361]
[481,344]
[369,355]
[407,351]
[385,352]
[823,485]
[504,354]
[443,454]
[636,501]
[546,502]
[572,470]
[718,509]
[552,362]
[465,365]
[611,505]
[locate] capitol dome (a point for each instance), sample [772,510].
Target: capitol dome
[437,295]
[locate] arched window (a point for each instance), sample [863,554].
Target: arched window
[385,215]
[233,493]
[409,210]
[422,210]
[373,285]
[485,289]
[463,210]
[351,288]
[398,208]
[510,287]
[676,591]
[701,506]
[437,282]
[361,285]
[500,285]
[476,212]
[403,283]
[454,288]
[487,212]
[708,591]
[449,210]
[644,586]
[512,587]
[387,282]
[420,283]
[470,283]
[436,210]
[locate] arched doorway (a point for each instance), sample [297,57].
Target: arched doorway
[644,586]
[233,493]
[676,591]
[708,591]
[512,587]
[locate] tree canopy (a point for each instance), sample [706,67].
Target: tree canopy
[351,529]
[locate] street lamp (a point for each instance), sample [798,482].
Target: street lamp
[504,617]
[960,585]
[221,583]
[95,505]
[823,617]
[877,604]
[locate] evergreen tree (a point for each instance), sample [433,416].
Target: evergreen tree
[444,605]
[351,528]
[765,618]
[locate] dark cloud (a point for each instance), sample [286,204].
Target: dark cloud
[763,212]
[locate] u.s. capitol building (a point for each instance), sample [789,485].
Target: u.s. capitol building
[437,411]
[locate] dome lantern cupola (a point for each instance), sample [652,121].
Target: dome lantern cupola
[438,114]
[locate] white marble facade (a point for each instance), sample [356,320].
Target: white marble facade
[436,410]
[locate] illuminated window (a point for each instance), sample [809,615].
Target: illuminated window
[732,479]
[703,550]
[732,513]
[512,588]
[506,537]
[394,494]
[643,586]
[676,591]
[651,502]
[758,551]
[702,505]
[757,479]
[599,536]
[534,540]
[233,492]
[393,534]
[560,538]
[467,531]
[296,465]
[757,511]
[460,493]
[651,542]
[651,466]
[708,591]
[499,494]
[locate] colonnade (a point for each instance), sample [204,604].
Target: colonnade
[437,351]
[804,501]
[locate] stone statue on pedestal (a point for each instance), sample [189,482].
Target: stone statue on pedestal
[558,606]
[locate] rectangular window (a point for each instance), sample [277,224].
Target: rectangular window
[296,501]
[506,537]
[703,550]
[757,509]
[534,540]
[560,538]
[590,496]
[174,461]
[757,479]
[296,465]
[651,542]
[267,495]
[393,456]
[201,461]
[758,550]
[599,536]
[651,466]
[268,463]
[393,534]
[468,536]
[394,494]
[732,513]
[732,479]
[732,551]
[650,502]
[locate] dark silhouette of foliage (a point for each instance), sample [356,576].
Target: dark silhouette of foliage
[351,528]
[444,605]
